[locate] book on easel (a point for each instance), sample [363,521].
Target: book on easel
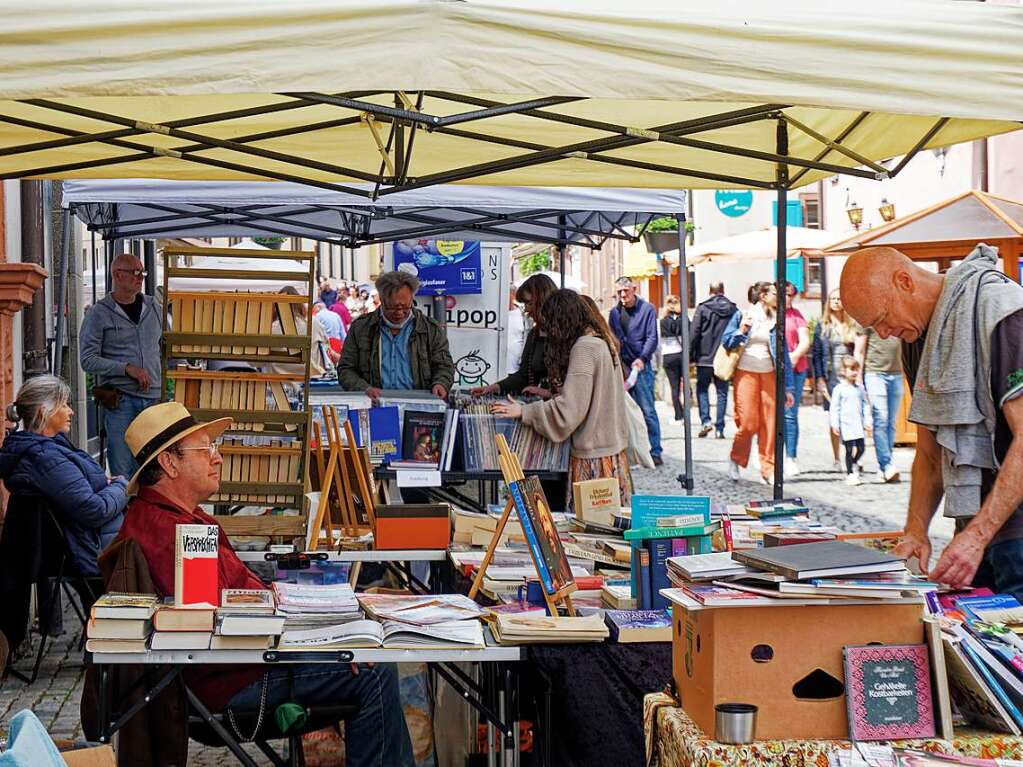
[545,548]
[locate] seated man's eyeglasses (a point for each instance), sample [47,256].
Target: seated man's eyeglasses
[213,449]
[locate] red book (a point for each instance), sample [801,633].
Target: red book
[196,582]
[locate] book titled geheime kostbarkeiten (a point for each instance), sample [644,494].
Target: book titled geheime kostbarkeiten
[196,582]
[888,692]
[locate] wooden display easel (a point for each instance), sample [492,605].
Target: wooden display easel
[336,480]
[512,471]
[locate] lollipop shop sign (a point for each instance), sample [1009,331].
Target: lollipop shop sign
[451,267]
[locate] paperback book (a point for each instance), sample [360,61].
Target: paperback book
[888,692]
[196,579]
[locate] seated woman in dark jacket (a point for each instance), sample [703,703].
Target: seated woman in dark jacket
[38,460]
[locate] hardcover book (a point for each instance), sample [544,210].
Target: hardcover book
[819,560]
[541,534]
[422,436]
[888,692]
[596,500]
[646,509]
[629,626]
[384,433]
[196,583]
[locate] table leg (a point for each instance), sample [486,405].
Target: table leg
[104,720]
[221,731]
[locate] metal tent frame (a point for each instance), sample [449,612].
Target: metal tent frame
[776,170]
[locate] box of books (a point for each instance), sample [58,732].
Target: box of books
[788,661]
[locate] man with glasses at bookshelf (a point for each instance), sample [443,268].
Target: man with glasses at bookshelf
[120,348]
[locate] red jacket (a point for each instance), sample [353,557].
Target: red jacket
[342,311]
[150,521]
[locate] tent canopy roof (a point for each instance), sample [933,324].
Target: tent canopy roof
[760,244]
[151,209]
[969,217]
[645,93]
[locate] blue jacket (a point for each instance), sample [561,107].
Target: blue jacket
[732,338]
[88,506]
[641,340]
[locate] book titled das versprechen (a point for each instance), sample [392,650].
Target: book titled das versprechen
[196,581]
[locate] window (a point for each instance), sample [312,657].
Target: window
[811,205]
[814,277]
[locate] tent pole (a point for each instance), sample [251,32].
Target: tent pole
[562,242]
[779,325]
[686,478]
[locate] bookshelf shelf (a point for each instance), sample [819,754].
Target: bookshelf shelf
[266,450]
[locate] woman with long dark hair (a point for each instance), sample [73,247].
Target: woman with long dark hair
[588,402]
[531,377]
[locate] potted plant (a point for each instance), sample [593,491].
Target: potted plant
[661,235]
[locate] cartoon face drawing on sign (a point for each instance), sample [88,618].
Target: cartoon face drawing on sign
[471,369]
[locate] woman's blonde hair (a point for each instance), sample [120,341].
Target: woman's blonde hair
[671,304]
[38,399]
[846,329]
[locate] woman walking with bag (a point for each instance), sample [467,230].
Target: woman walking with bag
[752,333]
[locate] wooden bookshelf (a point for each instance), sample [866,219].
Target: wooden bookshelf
[266,450]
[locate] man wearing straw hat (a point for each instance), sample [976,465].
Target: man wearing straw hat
[179,468]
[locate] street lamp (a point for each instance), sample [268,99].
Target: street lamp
[887,210]
[855,213]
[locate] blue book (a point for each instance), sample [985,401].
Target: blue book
[530,535]
[384,433]
[993,684]
[999,608]
[659,550]
[646,593]
[628,626]
[647,508]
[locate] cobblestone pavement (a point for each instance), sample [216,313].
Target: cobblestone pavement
[56,693]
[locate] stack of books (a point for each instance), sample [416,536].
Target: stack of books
[307,606]
[121,622]
[246,620]
[182,628]
[544,629]
[824,572]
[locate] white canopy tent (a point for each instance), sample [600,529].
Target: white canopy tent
[407,94]
[143,208]
[760,245]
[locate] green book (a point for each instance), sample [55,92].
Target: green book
[645,533]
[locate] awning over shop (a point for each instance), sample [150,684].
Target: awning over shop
[403,94]
[139,208]
[761,244]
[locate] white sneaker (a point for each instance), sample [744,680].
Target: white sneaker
[764,480]
[791,468]
[836,465]
[891,474]
[880,477]
[853,479]
[733,471]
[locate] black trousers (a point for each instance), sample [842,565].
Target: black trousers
[853,452]
[675,369]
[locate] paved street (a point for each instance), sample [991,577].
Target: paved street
[871,506]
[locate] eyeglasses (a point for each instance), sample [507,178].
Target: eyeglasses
[133,272]
[212,448]
[397,309]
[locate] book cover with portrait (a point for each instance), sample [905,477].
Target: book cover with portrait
[542,535]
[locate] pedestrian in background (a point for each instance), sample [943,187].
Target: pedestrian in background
[709,325]
[833,340]
[634,323]
[850,417]
[328,295]
[797,339]
[753,330]
[881,362]
[120,346]
[675,367]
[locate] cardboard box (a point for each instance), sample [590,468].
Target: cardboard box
[412,526]
[100,756]
[787,661]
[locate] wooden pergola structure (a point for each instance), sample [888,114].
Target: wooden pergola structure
[946,232]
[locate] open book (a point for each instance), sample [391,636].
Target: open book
[461,635]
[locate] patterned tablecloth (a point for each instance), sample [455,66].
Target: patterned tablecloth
[674,740]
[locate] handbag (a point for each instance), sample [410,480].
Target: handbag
[107,396]
[726,361]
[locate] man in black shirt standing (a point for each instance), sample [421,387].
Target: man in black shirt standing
[963,355]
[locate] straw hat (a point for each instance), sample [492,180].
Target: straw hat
[158,427]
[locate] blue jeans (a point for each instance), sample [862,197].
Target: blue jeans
[1001,569]
[376,737]
[704,377]
[792,416]
[884,390]
[119,457]
[643,393]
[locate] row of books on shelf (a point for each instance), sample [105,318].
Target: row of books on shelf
[413,430]
[289,617]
